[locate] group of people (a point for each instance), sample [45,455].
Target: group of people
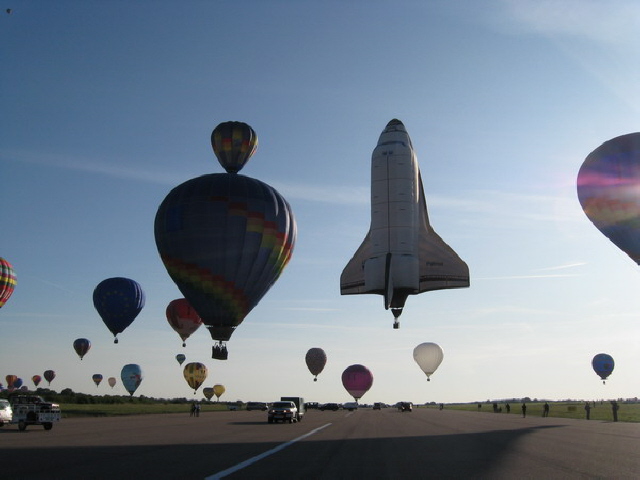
[195,409]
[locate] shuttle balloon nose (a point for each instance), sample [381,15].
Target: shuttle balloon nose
[394,122]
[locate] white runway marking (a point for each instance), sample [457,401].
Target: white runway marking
[253,460]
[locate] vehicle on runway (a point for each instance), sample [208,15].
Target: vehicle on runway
[284,411]
[6,413]
[405,406]
[299,403]
[257,406]
[329,406]
[351,406]
[377,406]
[33,410]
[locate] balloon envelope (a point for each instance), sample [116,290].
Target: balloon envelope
[316,359]
[183,318]
[208,392]
[181,357]
[81,346]
[428,356]
[195,373]
[8,281]
[49,375]
[112,381]
[118,302]
[609,191]
[233,143]
[11,379]
[17,383]
[603,365]
[224,240]
[97,378]
[131,376]
[36,379]
[218,390]
[357,380]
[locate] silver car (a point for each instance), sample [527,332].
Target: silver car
[6,413]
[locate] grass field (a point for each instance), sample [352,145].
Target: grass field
[628,412]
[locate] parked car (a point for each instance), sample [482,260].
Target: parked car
[284,411]
[405,406]
[351,406]
[377,406]
[6,413]
[329,406]
[257,406]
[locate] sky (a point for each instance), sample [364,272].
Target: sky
[106,106]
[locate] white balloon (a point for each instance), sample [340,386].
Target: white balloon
[428,356]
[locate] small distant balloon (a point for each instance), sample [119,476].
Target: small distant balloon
[357,380]
[183,318]
[609,191]
[11,379]
[316,359]
[233,143]
[195,373]
[603,365]
[218,390]
[8,281]
[428,356]
[118,301]
[97,378]
[81,346]
[112,381]
[17,383]
[208,392]
[36,379]
[181,357]
[49,375]
[131,376]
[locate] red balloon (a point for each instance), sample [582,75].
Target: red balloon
[357,380]
[183,318]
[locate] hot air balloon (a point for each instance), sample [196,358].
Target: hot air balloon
[316,360]
[609,191]
[603,365]
[428,356]
[224,239]
[49,375]
[112,381]
[8,281]
[97,378]
[118,301]
[183,318]
[357,380]
[233,143]
[81,346]
[208,392]
[17,383]
[131,376]
[218,390]
[181,357]
[36,379]
[195,373]
[11,379]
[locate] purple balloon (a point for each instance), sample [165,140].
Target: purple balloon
[357,380]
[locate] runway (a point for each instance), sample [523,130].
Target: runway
[372,444]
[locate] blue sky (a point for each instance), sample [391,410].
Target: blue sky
[106,106]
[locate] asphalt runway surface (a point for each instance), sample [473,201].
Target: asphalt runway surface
[365,444]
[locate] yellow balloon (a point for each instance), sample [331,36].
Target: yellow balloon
[218,390]
[195,373]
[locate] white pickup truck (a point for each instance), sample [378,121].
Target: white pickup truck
[34,410]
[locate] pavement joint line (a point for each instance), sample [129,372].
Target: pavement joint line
[253,460]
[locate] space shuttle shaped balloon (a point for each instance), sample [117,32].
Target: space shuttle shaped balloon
[401,254]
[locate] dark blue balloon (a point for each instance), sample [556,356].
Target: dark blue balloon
[603,365]
[118,301]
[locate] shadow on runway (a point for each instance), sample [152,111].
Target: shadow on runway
[439,456]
